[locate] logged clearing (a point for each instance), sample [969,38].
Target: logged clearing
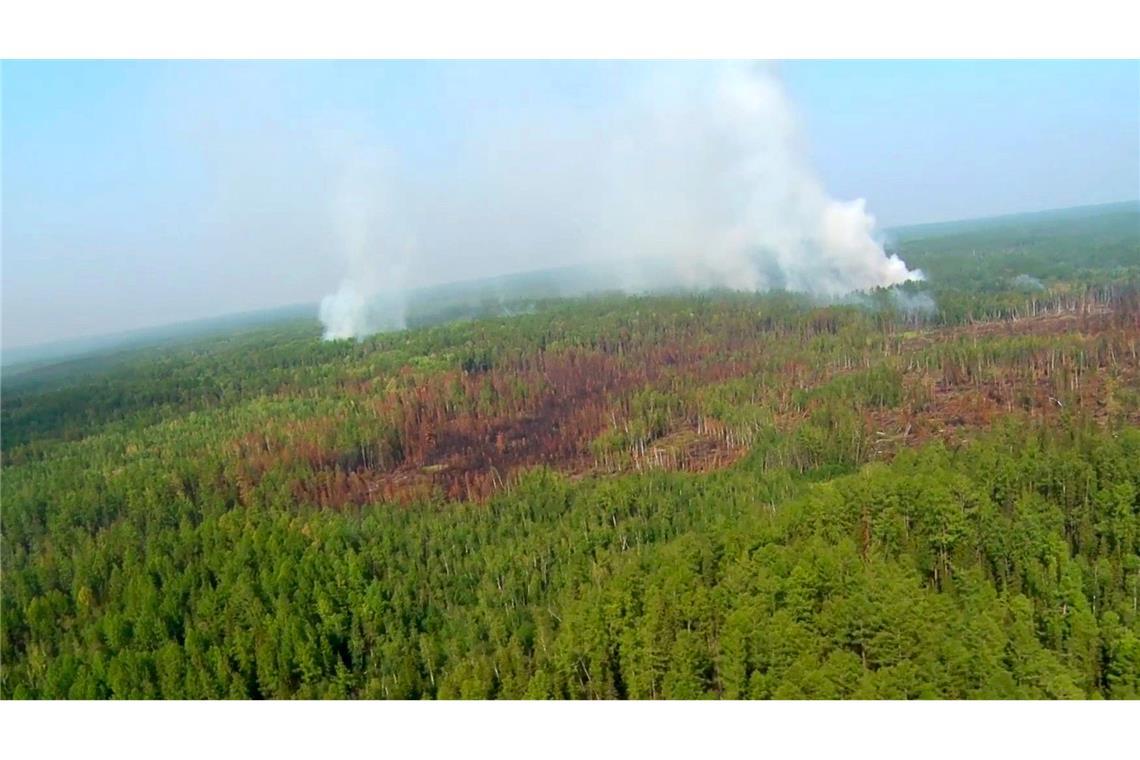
[633,405]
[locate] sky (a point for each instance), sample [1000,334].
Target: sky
[144,193]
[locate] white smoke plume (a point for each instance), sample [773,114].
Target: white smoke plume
[371,296]
[913,303]
[696,178]
[1027,282]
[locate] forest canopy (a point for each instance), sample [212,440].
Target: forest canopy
[927,491]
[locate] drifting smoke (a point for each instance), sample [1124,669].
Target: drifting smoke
[694,179]
[370,298]
[1027,283]
[913,303]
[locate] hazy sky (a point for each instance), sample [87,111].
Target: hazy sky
[145,193]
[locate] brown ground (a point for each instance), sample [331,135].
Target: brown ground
[453,445]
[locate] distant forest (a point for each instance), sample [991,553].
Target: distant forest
[928,491]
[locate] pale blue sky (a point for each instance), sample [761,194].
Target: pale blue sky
[143,193]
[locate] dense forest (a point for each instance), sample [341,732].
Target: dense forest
[929,491]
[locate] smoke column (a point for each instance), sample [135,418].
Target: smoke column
[370,298]
[693,178]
